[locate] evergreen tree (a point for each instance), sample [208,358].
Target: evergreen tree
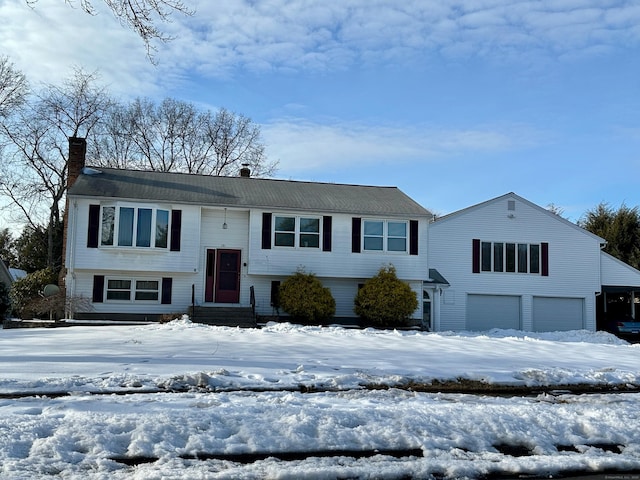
[620,228]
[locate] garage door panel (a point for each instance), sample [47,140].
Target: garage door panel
[485,312]
[551,314]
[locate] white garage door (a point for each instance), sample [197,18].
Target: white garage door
[485,312]
[552,314]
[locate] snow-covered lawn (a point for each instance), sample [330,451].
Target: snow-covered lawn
[205,396]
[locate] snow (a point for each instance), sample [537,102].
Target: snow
[183,400]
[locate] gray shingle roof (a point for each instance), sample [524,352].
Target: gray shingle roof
[183,188]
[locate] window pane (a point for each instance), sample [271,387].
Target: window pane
[285,239]
[310,225]
[498,252]
[522,257]
[397,244]
[125,227]
[511,257]
[162,228]
[147,285]
[534,251]
[397,229]
[118,295]
[311,240]
[373,243]
[119,284]
[373,228]
[143,232]
[486,256]
[285,224]
[108,225]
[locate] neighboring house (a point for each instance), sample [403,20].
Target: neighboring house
[146,243]
[512,264]
[5,275]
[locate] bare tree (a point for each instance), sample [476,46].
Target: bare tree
[142,16]
[175,136]
[13,87]
[33,174]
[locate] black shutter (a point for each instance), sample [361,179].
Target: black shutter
[326,233]
[476,255]
[266,231]
[98,288]
[544,247]
[275,294]
[167,283]
[176,228]
[356,230]
[94,226]
[413,237]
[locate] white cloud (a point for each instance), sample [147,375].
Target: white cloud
[306,148]
[225,38]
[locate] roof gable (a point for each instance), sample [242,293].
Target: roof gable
[512,196]
[244,192]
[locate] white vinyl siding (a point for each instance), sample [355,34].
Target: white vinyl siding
[555,313]
[573,259]
[485,312]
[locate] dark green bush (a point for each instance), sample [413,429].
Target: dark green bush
[28,289]
[385,300]
[304,298]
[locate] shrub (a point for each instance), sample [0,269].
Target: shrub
[304,298]
[385,301]
[27,290]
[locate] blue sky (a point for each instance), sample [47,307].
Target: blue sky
[454,102]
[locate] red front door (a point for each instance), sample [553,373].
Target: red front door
[227,277]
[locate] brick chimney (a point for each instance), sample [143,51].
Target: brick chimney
[75,164]
[245,171]
[77,157]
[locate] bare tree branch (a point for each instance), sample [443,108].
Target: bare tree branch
[141,16]
[13,87]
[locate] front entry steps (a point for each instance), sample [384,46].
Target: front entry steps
[224,316]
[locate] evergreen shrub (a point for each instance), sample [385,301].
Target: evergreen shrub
[385,300]
[303,296]
[27,290]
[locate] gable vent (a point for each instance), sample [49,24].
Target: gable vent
[511,205]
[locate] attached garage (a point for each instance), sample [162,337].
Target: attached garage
[556,313]
[485,312]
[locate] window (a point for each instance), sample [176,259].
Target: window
[119,289]
[147,290]
[397,236]
[285,231]
[303,232]
[509,257]
[380,235]
[310,232]
[373,235]
[139,227]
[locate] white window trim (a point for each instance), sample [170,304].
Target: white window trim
[297,232]
[116,226]
[133,290]
[385,236]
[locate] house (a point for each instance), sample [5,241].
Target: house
[140,244]
[509,263]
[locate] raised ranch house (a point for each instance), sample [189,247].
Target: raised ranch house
[143,244]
